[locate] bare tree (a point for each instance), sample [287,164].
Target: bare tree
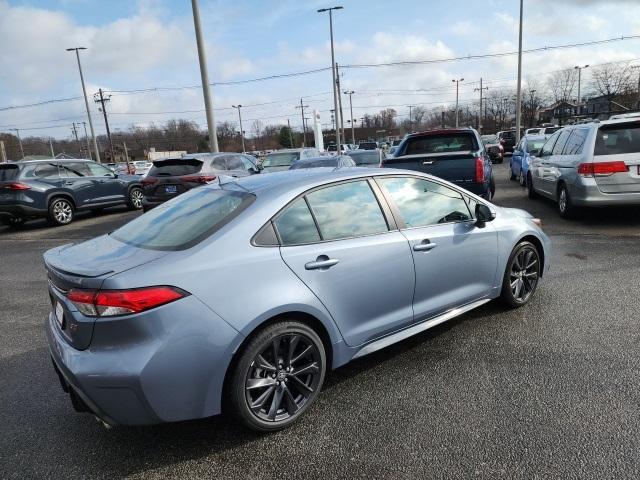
[611,79]
[562,84]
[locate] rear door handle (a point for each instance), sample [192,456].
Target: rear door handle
[68,183]
[425,246]
[322,263]
[430,162]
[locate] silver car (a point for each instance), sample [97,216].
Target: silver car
[281,160]
[593,164]
[155,322]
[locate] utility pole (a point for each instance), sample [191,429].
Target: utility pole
[410,121]
[101,99]
[333,67]
[241,131]
[75,134]
[206,92]
[480,111]
[84,124]
[304,128]
[343,136]
[457,82]
[17,130]
[519,87]
[86,101]
[353,131]
[53,155]
[443,119]
[290,136]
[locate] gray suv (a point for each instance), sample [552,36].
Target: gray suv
[594,164]
[56,189]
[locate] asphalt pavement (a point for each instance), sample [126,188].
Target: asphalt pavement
[550,390]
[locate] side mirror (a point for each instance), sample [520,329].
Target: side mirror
[254,170]
[483,214]
[534,152]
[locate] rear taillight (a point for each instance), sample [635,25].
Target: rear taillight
[148,181]
[602,169]
[109,303]
[16,186]
[479,170]
[199,178]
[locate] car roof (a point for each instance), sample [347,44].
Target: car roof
[290,150]
[535,136]
[49,160]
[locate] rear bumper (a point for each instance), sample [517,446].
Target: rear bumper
[18,209]
[587,194]
[164,365]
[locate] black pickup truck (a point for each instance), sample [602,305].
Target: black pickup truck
[453,154]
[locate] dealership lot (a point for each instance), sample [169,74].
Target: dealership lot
[549,390]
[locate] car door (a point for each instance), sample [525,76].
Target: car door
[338,241]
[551,171]
[455,259]
[539,163]
[108,188]
[516,157]
[77,180]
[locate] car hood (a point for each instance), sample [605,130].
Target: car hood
[98,257]
[517,212]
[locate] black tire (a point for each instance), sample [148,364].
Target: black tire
[492,187]
[511,175]
[564,204]
[278,394]
[13,222]
[521,275]
[522,179]
[134,199]
[531,193]
[61,211]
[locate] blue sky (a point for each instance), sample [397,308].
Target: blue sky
[150,43]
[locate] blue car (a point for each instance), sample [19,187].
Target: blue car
[157,322]
[57,189]
[530,145]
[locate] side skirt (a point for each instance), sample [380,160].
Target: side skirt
[420,327]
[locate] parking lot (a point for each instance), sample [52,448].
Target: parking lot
[546,391]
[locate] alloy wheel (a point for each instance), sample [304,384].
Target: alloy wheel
[283,377]
[562,200]
[62,211]
[524,273]
[136,198]
[521,178]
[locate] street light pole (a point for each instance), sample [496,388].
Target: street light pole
[579,68]
[86,137]
[519,86]
[204,75]
[240,118]
[353,132]
[86,102]
[333,69]
[304,127]
[17,130]
[457,82]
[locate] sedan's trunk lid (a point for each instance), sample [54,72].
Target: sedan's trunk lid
[86,266]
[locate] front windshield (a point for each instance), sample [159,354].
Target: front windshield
[280,159]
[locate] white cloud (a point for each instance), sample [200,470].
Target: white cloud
[463,27]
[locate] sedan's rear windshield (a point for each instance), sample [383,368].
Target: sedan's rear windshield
[368,146]
[442,143]
[184,221]
[324,162]
[367,157]
[280,159]
[9,172]
[175,168]
[618,139]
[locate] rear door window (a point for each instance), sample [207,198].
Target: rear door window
[175,167]
[441,144]
[562,141]
[184,221]
[234,162]
[548,146]
[347,210]
[46,170]
[295,224]
[576,141]
[618,139]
